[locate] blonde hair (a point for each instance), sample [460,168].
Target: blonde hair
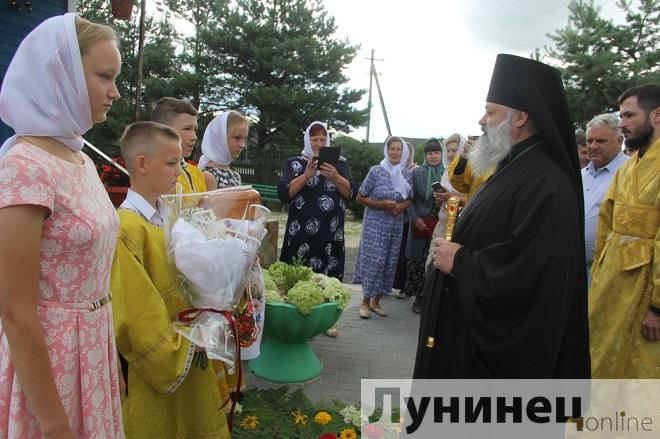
[142,138]
[90,33]
[454,138]
[235,118]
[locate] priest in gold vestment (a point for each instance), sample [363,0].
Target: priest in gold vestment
[624,301]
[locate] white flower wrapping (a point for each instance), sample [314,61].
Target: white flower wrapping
[217,268]
[214,257]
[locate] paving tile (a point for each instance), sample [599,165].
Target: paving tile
[379,347]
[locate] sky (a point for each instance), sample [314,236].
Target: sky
[438,55]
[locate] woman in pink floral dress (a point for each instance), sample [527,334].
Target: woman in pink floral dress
[58,360]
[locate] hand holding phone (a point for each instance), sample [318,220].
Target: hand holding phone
[437,187]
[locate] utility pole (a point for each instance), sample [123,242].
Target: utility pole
[382,103]
[138,89]
[372,71]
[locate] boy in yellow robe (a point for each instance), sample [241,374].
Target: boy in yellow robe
[182,116]
[624,301]
[167,396]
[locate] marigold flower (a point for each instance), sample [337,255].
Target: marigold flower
[348,433]
[328,436]
[250,422]
[299,418]
[322,418]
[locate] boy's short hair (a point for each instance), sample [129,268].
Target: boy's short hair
[141,138]
[168,108]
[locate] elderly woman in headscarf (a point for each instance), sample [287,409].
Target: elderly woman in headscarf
[224,139]
[423,217]
[58,231]
[386,193]
[315,227]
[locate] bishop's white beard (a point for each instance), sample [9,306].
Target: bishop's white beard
[492,147]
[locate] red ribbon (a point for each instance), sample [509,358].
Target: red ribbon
[191,314]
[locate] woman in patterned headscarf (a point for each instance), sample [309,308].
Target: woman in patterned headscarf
[315,227]
[423,213]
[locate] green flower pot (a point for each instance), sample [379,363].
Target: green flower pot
[286,355]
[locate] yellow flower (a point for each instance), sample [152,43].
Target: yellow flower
[322,418]
[299,418]
[250,422]
[348,433]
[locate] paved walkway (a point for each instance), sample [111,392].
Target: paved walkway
[379,347]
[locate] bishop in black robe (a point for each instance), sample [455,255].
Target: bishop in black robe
[514,304]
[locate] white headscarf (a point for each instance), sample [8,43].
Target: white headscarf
[44,91]
[400,183]
[445,163]
[214,142]
[307,151]
[461,145]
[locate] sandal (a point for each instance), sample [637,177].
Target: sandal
[363,312]
[378,310]
[332,332]
[400,295]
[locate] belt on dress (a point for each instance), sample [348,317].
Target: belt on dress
[93,306]
[101,302]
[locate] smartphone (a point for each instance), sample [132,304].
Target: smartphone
[437,187]
[329,154]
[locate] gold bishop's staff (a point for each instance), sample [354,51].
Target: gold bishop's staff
[453,206]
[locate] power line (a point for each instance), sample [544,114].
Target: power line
[527,26]
[498,8]
[521,19]
[516,30]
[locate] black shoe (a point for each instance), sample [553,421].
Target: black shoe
[416,308]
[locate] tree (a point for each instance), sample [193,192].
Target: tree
[280,62]
[599,59]
[161,69]
[360,157]
[195,57]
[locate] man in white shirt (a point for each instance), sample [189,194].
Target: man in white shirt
[604,141]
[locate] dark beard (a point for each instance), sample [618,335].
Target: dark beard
[641,139]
